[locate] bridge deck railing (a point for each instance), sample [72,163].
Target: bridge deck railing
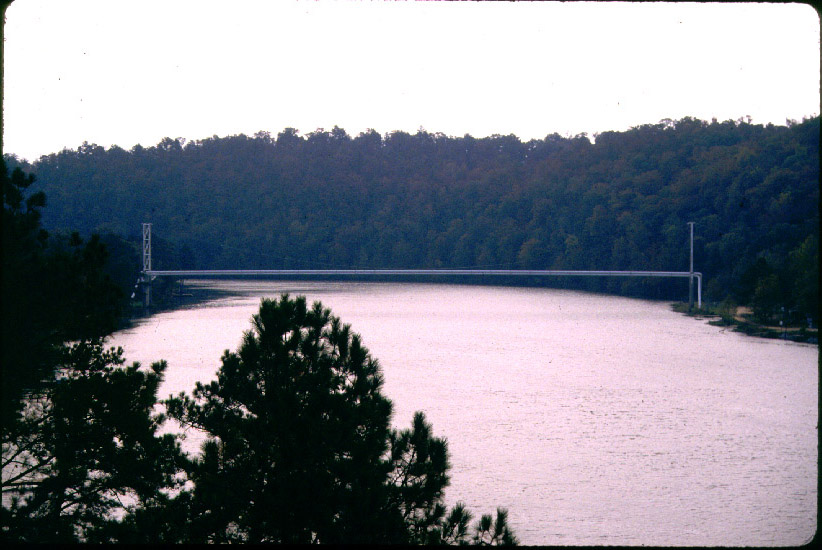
[150,274]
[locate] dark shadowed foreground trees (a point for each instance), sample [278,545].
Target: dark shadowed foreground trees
[79,435]
[299,447]
[53,290]
[85,450]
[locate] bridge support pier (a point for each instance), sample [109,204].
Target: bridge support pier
[146,278]
[147,294]
[144,287]
[691,278]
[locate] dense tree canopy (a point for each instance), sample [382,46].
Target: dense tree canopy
[427,200]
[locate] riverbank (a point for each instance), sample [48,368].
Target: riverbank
[177,296]
[740,319]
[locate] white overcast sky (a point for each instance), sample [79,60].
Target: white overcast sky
[134,71]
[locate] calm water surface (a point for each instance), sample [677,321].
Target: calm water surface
[593,419]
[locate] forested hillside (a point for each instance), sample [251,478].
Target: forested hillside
[327,199]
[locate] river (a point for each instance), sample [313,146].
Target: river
[595,420]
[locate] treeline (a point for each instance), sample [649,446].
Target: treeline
[327,199]
[297,443]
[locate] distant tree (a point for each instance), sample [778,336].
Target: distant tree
[803,269]
[747,282]
[299,448]
[532,255]
[767,297]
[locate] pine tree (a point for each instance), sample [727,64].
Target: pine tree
[299,448]
[297,429]
[86,450]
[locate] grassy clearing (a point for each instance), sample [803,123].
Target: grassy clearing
[741,319]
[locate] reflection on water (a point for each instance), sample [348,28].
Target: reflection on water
[593,419]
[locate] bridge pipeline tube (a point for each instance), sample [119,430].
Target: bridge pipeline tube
[491,272]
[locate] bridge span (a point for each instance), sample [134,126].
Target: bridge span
[148,274]
[208,273]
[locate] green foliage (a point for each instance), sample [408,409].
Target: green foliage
[416,481]
[418,475]
[494,532]
[85,450]
[766,297]
[299,448]
[429,200]
[298,427]
[727,311]
[803,273]
[25,340]
[80,443]
[54,289]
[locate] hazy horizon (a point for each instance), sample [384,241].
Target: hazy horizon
[132,72]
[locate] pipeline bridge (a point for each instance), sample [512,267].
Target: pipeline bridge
[148,274]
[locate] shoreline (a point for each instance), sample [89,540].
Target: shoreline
[742,322]
[136,311]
